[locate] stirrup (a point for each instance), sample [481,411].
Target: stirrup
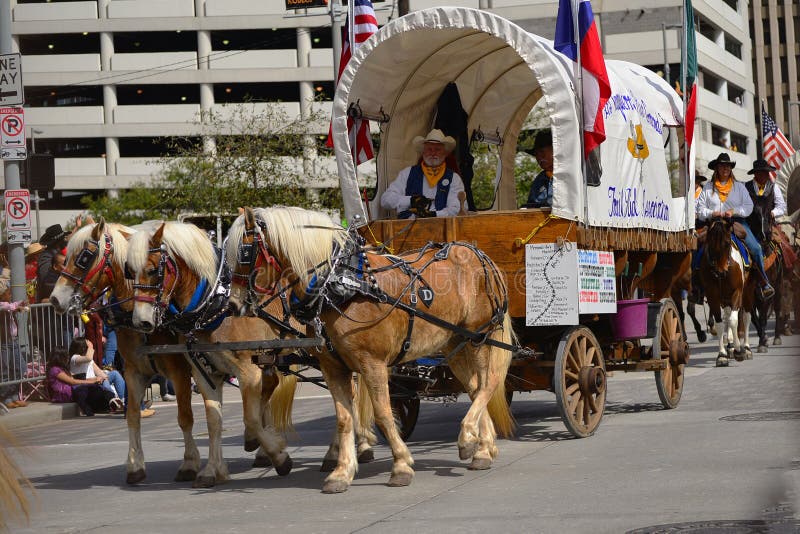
[766,291]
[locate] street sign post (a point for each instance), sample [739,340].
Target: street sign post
[12,134]
[18,215]
[11,93]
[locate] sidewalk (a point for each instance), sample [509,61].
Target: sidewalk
[37,413]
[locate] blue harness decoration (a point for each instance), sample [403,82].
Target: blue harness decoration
[414,187]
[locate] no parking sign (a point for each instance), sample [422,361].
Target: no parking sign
[12,133]
[18,215]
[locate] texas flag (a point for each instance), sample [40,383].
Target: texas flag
[596,87]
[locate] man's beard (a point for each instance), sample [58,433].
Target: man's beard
[433,161]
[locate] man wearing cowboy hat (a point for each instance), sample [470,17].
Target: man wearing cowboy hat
[724,197]
[429,188]
[541,192]
[53,240]
[770,199]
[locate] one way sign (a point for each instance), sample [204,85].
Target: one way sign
[11,93]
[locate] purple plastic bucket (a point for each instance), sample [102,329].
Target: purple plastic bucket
[630,321]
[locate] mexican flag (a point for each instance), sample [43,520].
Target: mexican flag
[689,75]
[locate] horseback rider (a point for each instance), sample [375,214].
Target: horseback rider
[772,205]
[429,188]
[724,197]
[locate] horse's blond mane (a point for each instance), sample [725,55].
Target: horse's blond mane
[183,240]
[305,238]
[79,238]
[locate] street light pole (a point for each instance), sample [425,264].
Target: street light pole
[789,105]
[36,198]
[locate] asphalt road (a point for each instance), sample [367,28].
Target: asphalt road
[725,460]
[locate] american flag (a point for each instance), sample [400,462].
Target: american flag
[365,25]
[776,148]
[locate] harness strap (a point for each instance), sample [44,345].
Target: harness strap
[407,343]
[203,365]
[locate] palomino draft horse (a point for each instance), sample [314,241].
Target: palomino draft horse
[723,277]
[773,266]
[96,256]
[379,310]
[172,265]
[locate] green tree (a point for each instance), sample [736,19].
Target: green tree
[244,156]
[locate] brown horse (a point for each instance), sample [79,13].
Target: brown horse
[96,256]
[170,265]
[367,303]
[723,277]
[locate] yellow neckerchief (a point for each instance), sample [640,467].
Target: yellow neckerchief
[761,188]
[433,174]
[697,190]
[723,190]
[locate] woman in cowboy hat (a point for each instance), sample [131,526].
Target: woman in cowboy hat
[723,196]
[429,188]
[53,240]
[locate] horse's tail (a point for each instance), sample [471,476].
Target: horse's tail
[499,362]
[282,400]
[364,412]
[13,498]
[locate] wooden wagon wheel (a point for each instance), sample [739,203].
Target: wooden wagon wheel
[669,345]
[579,381]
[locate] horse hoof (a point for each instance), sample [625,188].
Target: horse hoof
[262,461]
[777,341]
[185,475]
[712,331]
[284,468]
[204,482]
[701,337]
[328,466]
[398,480]
[722,361]
[748,354]
[135,477]
[366,456]
[762,349]
[739,355]
[468,451]
[251,444]
[335,486]
[480,464]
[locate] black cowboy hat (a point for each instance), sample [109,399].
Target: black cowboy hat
[699,178]
[52,235]
[723,158]
[761,165]
[543,139]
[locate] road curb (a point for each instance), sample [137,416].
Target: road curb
[37,413]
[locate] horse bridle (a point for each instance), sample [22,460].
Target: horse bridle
[85,262]
[255,255]
[166,265]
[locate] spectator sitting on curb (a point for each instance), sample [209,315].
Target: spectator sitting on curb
[82,365]
[60,382]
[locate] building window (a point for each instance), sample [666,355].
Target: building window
[151,147]
[738,142]
[59,43]
[141,94]
[733,46]
[272,39]
[137,42]
[75,95]
[72,148]
[227,93]
[733,4]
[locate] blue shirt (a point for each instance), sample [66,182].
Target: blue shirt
[541,193]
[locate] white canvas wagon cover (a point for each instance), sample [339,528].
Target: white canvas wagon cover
[501,72]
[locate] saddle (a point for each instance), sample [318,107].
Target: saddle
[784,247]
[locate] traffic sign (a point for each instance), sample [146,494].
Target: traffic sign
[12,133]
[11,93]
[18,215]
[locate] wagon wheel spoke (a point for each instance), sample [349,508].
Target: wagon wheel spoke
[572,389]
[669,381]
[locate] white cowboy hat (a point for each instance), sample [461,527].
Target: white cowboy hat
[434,136]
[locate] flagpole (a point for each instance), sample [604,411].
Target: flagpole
[687,150]
[576,33]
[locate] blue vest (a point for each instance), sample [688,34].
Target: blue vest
[414,187]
